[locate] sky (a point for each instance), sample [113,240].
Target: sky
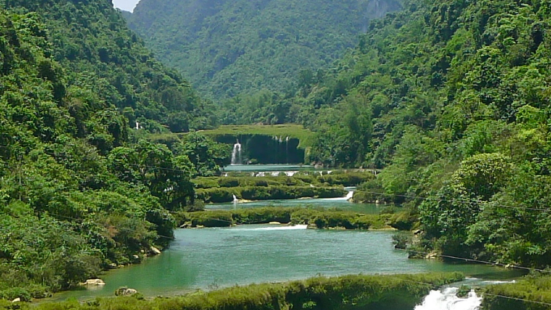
[126,5]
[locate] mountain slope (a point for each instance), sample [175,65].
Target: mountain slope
[231,47]
[452,100]
[91,40]
[80,191]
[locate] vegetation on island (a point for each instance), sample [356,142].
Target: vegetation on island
[300,185]
[314,178]
[315,217]
[391,292]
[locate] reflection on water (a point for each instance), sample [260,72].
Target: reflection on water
[203,258]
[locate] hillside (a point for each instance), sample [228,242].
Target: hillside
[91,41]
[79,190]
[452,99]
[228,48]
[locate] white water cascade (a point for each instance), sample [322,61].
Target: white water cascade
[236,158]
[350,195]
[446,299]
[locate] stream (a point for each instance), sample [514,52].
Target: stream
[214,258]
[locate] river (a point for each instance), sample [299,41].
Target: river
[220,257]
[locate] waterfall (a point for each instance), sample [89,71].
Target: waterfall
[287,150]
[350,195]
[236,158]
[446,299]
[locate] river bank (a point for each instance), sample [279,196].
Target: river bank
[390,292]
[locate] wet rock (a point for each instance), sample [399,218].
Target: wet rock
[125,291]
[93,282]
[155,251]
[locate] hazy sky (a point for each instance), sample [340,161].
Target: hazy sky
[126,5]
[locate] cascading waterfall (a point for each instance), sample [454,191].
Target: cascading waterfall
[236,157]
[350,195]
[446,299]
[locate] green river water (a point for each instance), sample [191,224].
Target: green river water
[219,257]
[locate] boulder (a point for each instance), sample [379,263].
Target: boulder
[93,282]
[275,223]
[125,291]
[16,300]
[155,251]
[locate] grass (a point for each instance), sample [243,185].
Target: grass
[284,130]
[337,293]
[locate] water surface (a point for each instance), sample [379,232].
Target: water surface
[219,257]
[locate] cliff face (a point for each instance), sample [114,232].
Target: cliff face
[233,47]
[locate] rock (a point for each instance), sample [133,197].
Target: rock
[16,300]
[112,266]
[125,291]
[432,255]
[155,251]
[93,282]
[275,223]
[418,231]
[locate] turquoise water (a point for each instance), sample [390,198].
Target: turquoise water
[219,257]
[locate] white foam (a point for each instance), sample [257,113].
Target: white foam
[295,227]
[446,299]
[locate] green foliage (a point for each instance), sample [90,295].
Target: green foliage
[530,293]
[336,178]
[93,47]
[451,100]
[234,47]
[339,293]
[225,194]
[79,191]
[284,130]
[320,218]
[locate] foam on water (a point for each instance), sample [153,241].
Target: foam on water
[295,227]
[446,299]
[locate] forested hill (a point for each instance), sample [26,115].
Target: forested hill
[231,47]
[452,99]
[92,42]
[79,190]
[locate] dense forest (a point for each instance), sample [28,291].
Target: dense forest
[452,100]
[79,190]
[230,48]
